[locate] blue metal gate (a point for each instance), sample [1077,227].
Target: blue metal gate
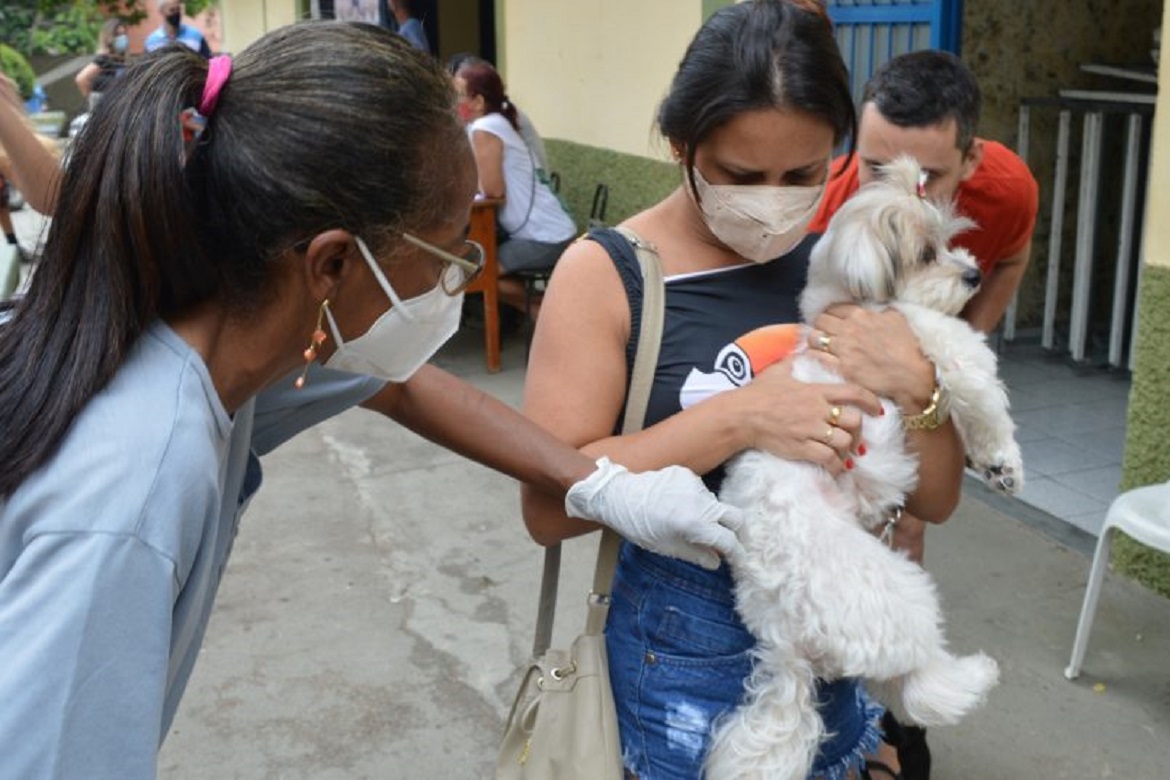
[869,32]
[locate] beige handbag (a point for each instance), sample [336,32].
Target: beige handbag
[563,725]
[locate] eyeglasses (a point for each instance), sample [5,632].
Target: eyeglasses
[459,271]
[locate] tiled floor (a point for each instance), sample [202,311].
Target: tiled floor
[1071,426]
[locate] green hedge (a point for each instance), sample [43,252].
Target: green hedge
[1147,446]
[16,67]
[635,183]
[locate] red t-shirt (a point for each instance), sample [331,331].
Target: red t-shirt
[1002,197]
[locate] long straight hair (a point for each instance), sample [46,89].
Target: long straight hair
[321,125]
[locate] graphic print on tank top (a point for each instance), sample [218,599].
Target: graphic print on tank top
[742,360]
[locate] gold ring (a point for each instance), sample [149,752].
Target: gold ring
[834,415]
[825,343]
[828,437]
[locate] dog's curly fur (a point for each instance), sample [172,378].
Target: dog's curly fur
[822,595]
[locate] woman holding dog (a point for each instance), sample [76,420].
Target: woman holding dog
[753,144]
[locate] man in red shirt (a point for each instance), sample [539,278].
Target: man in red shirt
[926,104]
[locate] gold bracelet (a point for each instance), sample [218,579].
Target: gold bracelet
[936,412]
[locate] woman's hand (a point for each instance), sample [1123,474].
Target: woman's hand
[820,423]
[877,350]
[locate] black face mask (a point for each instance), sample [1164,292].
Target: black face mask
[174,19]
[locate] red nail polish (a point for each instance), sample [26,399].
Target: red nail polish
[849,464]
[861,448]
[882,411]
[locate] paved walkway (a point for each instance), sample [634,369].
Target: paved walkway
[382,591]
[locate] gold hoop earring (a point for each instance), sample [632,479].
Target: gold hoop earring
[315,343]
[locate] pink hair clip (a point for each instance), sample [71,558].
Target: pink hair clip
[218,71]
[193,121]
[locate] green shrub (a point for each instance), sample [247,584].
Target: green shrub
[70,30]
[16,67]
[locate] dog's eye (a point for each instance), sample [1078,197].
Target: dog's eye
[929,255]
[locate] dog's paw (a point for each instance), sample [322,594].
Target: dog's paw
[1003,475]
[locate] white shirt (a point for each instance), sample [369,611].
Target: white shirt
[531,210]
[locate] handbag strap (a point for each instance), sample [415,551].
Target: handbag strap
[637,399]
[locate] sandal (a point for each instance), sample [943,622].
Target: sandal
[878,766]
[910,742]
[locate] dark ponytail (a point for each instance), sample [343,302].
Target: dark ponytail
[321,125]
[484,80]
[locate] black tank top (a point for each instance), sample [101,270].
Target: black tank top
[707,315]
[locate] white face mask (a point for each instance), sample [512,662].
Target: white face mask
[759,222]
[405,336]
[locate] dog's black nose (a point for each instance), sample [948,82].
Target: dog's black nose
[972,278]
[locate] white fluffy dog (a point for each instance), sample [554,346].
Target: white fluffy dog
[823,596]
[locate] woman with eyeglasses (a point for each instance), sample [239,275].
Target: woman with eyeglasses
[231,261]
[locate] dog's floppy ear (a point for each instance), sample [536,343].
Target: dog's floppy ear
[858,253]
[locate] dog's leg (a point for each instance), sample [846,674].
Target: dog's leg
[774,733]
[940,692]
[867,611]
[979,402]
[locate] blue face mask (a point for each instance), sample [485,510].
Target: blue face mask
[121,43]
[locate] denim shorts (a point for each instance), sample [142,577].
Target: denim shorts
[678,658]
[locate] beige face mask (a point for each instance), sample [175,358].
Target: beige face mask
[760,222]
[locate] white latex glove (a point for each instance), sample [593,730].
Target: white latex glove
[669,512]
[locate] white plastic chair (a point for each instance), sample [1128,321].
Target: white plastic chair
[1144,514]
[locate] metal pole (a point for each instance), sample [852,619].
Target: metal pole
[1133,134]
[1052,286]
[1009,317]
[1086,234]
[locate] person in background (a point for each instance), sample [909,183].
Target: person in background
[526,128]
[536,227]
[29,161]
[97,76]
[752,116]
[926,104]
[410,27]
[173,30]
[216,279]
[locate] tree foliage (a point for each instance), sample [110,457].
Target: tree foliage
[69,26]
[16,67]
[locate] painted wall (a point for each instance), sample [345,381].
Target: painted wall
[634,182]
[594,71]
[246,20]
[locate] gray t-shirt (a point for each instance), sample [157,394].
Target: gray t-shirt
[111,556]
